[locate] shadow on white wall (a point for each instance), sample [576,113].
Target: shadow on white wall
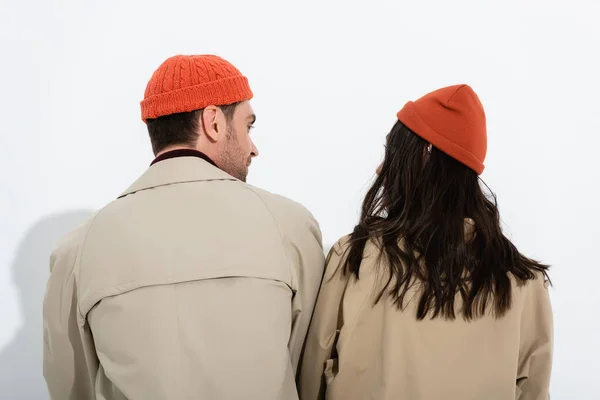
[21,360]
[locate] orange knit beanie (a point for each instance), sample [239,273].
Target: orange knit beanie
[186,83]
[453,120]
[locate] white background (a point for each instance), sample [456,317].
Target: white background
[328,79]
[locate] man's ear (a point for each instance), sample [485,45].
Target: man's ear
[213,123]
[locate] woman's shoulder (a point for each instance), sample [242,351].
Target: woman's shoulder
[335,255]
[338,253]
[539,282]
[342,246]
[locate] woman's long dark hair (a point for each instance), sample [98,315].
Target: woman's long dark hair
[416,210]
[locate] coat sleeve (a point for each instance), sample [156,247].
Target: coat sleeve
[323,330]
[302,240]
[535,355]
[68,367]
[305,248]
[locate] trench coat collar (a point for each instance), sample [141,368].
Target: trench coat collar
[180,169]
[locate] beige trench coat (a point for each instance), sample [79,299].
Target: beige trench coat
[192,285]
[357,351]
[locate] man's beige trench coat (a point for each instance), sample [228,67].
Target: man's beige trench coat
[192,285]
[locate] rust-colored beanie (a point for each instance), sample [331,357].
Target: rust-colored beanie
[453,120]
[186,83]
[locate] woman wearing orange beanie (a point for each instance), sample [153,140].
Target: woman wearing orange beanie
[427,299]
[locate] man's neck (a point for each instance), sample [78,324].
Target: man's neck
[173,148]
[178,151]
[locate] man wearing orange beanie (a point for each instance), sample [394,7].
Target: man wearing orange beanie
[192,284]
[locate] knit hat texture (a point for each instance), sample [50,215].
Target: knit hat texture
[453,120]
[186,83]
